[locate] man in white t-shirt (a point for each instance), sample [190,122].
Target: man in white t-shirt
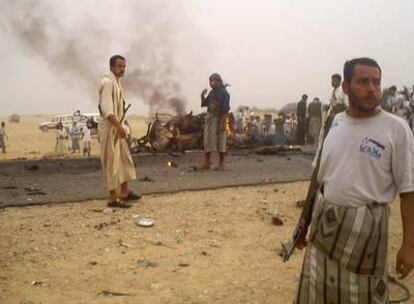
[367,159]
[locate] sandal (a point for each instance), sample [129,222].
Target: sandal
[131,197]
[118,203]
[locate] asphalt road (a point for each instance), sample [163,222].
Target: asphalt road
[31,182]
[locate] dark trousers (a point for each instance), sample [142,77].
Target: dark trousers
[301,132]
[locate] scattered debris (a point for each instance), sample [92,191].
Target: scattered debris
[159,243]
[272,211]
[122,244]
[204,253]
[38,192]
[100,226]
[277,221]
[97,210]
[109,210]
[145,263]
[9,187]
[300,203]
[284,248]
[93,263]
[32,190]
[32,168]
[38,282]
[172,163]
[109,293]
[183,264]
[34,153]
[144,222]
[278,150]
[215,245]
[146,179]
[174,154]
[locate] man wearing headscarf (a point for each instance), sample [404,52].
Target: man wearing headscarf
[218,106]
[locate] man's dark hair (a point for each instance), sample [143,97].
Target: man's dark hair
[393,88]
[304,96]
[350,65]
[337,77]
[3,123]
[113,60]
[216,77]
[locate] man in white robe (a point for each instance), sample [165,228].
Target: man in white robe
[338,101]
[117,165]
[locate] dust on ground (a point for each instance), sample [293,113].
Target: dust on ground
[206,247]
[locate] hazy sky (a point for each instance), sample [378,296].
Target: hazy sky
[270,51]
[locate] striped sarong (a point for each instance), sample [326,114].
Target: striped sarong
[345,261]
[215,140]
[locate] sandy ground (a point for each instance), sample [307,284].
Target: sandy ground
[26,140]
[206,247]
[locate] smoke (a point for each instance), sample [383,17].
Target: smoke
[76,51]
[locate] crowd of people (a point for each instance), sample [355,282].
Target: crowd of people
[309,118]
[303,125]
[69,140]
[400,103]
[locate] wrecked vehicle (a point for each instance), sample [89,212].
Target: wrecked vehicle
[180,133]
[171,133]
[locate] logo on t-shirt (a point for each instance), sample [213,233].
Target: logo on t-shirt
[371,147]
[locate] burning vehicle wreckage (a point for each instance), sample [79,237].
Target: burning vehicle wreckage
[180,133]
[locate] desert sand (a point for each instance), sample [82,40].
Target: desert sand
[205,247]
[214,246]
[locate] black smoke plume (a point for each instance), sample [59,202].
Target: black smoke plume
[78,52]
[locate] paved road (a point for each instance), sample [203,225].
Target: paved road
[29,182]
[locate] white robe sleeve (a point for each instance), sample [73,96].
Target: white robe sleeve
[106,99]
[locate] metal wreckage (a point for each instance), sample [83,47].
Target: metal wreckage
[180,133]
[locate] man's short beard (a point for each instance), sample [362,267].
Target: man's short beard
[357,106]
[360,108]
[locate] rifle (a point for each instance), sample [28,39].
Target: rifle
[306,215]
[125,109]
